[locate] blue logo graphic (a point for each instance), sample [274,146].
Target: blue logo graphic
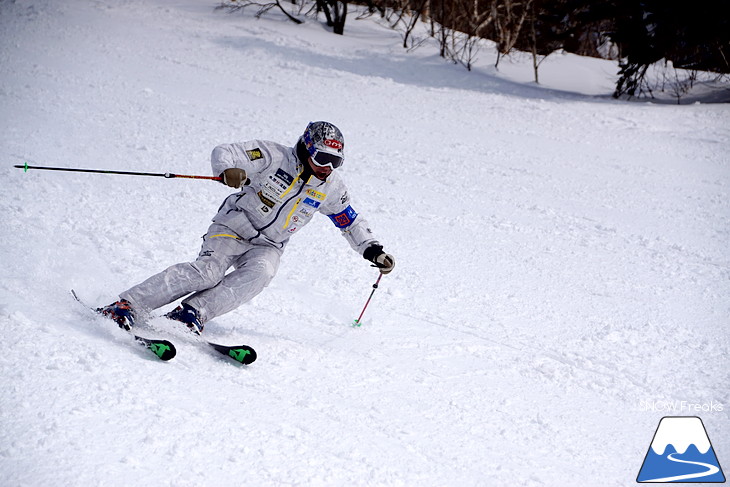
[311,202]
[681,452]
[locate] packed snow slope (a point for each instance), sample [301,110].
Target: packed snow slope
[562,277]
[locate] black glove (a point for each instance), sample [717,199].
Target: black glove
[384,262]
[234,177]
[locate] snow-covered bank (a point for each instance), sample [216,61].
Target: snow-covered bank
[562,261]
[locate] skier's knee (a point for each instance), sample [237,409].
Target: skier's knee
[265,269]
[209,273]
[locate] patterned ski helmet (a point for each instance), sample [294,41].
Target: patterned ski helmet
[325,144]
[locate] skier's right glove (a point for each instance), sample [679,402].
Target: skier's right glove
[383,261]
[234,177]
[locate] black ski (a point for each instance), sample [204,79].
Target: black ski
[163,349]
[240,353]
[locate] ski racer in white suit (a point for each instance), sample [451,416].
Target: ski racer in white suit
[281,190]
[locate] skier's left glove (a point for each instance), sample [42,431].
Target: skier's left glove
[383,261]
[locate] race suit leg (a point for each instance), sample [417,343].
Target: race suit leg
[254,271]
[221,249]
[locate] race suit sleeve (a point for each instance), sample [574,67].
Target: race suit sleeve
[251,156]
[354,227]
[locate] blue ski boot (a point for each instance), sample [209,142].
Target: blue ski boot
[121,312]
[188,315]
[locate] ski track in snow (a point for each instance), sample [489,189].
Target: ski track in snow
[560,258]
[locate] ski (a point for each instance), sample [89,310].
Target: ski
[163,349]
[240,353]
[185,315]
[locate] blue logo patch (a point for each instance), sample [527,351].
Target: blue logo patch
[311,202]
[345,218]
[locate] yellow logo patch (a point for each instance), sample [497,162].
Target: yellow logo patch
[316,195]
[254,154]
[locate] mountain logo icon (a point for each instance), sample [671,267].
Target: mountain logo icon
[681,452]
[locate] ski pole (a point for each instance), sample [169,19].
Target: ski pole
[375,286]
[168,175]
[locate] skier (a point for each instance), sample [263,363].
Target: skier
[281,188]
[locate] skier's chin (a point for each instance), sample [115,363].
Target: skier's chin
[322,175]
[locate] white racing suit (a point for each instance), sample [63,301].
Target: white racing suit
[250,231]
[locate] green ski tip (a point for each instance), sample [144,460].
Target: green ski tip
[162,350]
[240,355]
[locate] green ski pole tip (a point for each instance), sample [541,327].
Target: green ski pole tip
[25,169]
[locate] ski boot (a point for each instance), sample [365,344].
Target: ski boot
[121,312]
[188,315]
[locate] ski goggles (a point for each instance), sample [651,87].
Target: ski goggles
[325,159]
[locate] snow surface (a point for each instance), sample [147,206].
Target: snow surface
[562,260]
